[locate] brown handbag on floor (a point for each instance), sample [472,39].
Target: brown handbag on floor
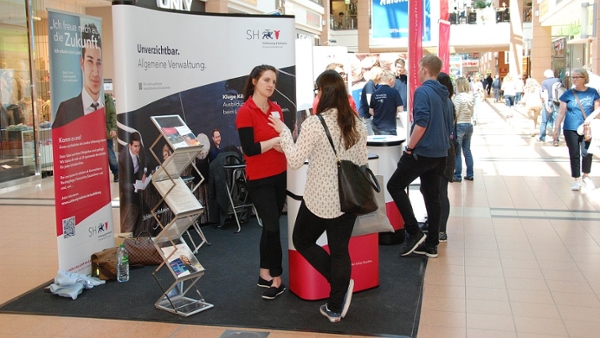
[142,251]
[104,264]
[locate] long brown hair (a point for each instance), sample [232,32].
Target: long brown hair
[334,95]
[255,74]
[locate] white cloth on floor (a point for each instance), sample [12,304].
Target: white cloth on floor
[67,284]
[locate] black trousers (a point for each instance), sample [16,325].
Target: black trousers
[336,265]
[578,155]
[268,197]
[429,170]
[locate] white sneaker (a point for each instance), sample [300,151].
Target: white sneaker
[589,185]
[576,186]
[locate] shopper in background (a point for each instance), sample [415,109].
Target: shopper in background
[496,85]
[111,133]
[448,174]
[550,105]
[424,156]
[509,89]
[478,93]
[339,68]
[519,89]
[533,102]
[320,209]
[265,171]
[385,105]
[570,111]
[365,98]
[463,103]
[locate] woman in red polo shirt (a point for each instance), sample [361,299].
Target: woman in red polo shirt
[265,171]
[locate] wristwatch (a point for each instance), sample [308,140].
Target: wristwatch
[408,149]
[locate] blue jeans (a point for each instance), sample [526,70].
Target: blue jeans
[518,97]
[548,118]
[430,171]
[465,132]
[496,94]
[377,131]
[510,100]
[112,158]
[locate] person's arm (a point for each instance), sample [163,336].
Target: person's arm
[415,137]
[252,148]
[562,110]
[297,153]
[594,114]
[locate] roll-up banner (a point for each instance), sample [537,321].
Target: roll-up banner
[195,66]
[81,178]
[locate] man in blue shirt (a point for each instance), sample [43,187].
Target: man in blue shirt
[365,98]
[385,104]
[550,106]
[424,157]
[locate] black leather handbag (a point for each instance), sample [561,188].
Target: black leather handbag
[356,184]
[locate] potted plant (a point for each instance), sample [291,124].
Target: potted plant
[485,13]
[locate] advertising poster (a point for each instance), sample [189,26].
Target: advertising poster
[390,19]
[194,66]
[81,178]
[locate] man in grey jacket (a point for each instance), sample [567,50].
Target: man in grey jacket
[424,157]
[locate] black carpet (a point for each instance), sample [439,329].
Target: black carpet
[231,264]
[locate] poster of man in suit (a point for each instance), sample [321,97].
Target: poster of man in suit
[80,162]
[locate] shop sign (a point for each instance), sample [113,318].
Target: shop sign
[313,19]
[470,63]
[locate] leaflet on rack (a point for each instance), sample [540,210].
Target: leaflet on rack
[179,199]
[181,260]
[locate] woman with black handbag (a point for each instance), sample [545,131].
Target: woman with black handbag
[320,209]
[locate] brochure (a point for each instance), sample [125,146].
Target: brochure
[181,260]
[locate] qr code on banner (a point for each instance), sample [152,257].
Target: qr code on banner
[68,227]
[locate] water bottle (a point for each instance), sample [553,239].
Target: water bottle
[122,264]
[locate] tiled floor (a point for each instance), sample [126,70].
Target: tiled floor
[522,259]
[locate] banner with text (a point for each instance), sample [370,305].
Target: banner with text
[81,179]
[195,66]
[390,19]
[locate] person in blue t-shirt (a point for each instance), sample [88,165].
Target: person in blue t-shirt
[385,104]
[570,109]
[365,98]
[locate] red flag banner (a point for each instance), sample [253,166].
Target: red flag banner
[444,45]
[415,48]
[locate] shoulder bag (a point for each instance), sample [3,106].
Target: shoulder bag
[586,131]
[142,250]
[104,264]
[356,184]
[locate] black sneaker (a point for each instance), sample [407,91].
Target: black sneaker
[411,243]
[263,283]
[333,317]
[273,292]
[423,249]
[116,178]
[347,298]
[469,178]
[443,237]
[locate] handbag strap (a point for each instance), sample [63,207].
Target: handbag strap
[579,103]
[328,136]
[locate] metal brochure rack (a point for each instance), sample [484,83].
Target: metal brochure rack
[182,297]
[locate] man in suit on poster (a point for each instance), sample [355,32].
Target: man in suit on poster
[89,100]
[132,166]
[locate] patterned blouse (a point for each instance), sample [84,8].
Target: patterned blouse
[321,192]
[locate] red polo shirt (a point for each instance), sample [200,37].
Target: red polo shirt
[269,163]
